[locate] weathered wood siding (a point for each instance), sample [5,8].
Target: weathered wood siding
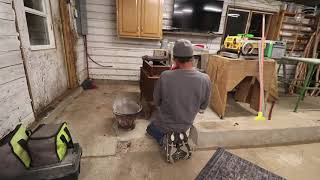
[124,55]
[46,69]
[15,101]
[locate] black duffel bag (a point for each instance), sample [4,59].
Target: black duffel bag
[49,144]
[15,159]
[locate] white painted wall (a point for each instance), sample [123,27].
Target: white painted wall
[15,102]
[82,72]
[46,69]
[125,54]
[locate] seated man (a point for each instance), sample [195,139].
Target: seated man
[179,95]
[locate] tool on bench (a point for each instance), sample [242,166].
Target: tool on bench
[242,44]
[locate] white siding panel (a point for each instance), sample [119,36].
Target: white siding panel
[11,73]
[81,61]
[115,65]
[10,58]
[101,23]
[14,112]
[117,59]
[125,52]
[6,1]
[7,28]
[9,43]
[101,8]
[102,16]
[102,31]
[115,72]
[13,88]
[15,103]
[114,77]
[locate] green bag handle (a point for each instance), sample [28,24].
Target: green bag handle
[68,143]
[18,144]
[63,141]
[68,133]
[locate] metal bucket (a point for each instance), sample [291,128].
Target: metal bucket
[126,112]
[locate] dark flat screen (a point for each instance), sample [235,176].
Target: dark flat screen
[197,15]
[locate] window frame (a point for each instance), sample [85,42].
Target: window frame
[46,14]
[248,24]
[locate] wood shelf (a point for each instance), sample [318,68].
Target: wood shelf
[297,24]
[295,30]
[293,36]
[295,49]
[294,14]
[299,43]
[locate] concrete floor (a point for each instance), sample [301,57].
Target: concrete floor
[110,154]
[292,162]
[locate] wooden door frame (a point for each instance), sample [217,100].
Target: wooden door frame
[69,39]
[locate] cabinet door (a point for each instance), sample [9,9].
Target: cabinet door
[128,12]
[151,18]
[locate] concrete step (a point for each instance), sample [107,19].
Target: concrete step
[246,132]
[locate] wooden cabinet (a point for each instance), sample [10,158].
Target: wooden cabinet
[140,18]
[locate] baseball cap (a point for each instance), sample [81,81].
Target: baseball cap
[182,48]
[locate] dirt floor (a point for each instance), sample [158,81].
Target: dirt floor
[109,153]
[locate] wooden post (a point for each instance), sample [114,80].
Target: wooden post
[69,38]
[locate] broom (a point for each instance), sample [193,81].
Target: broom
[260,116]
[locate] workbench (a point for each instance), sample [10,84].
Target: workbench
[312,64]
[228,74]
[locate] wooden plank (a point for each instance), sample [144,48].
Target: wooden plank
[10,58]
[8,28]
[69,44]
[9,43]
[11,73]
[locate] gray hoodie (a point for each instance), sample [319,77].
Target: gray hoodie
[179,95]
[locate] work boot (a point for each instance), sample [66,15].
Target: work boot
[185,145]
[168,147]
[176,147]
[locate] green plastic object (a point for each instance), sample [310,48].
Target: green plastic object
[268,50]
[17,142]
[62,143]
[246,35]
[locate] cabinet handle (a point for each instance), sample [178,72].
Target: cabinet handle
[138,28]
